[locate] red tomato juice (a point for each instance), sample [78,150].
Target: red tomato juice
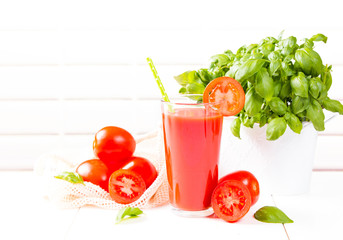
[192,143]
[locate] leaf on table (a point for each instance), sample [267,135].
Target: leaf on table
[270,214]
[128,213]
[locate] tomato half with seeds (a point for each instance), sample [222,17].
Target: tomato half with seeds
[126,186]
[226,94]
[248,179]
[231,200]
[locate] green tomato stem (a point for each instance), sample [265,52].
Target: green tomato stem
[158,80]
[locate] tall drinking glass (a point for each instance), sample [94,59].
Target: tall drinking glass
[192,135]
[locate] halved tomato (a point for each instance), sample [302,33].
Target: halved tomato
[126,186]
[226,94]
[231,200]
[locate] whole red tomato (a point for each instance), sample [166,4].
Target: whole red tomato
[144,168]
[94,171]
[114,146]
[248,179]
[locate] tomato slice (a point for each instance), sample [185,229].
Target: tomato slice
[231,200]
[226,94]
[126,186]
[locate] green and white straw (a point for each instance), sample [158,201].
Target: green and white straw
[158,80]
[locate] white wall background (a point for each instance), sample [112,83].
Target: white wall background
[71,67]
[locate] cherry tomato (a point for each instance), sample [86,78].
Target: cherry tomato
[248,179]
[126,186]
[231,200]
[94,171]
[144,168]
[114,146]
[226,94]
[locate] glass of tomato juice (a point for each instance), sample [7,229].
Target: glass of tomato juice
[192,134]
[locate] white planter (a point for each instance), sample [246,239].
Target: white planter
[282,167]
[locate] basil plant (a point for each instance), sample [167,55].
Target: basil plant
[285,82]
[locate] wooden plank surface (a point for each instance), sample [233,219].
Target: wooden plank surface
[316,215]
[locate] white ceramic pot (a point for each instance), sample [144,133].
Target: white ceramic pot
[283,166]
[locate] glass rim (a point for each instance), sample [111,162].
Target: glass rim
[186,96]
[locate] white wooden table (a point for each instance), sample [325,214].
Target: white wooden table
[26,214]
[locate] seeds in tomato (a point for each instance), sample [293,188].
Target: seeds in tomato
[226,94]
[126,186]
[231,200]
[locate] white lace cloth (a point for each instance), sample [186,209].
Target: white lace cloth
[68,195]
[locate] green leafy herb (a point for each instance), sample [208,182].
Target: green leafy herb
[316,115]
[276,128]
[70,177]
[128,213]
[283,79]
[235,127]
[333,105]
[269,214]
[293,122]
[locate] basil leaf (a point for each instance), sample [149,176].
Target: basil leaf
[274,56]
[287,69]
[195,88]
[288,42]
[249,68]
[187,77]
[277,106]
[71,177]
[182,90]
[220,60]
[205,76]
[293,122]
[264,84]
[299,104]
[333,105]
[128,213]
[299,85]
[316,115]
[251,47]
[232,71]
[267,48]
[317,88]
[326,77]
[274,66]
[286,90]
[230,55]
[319,37]
[307,43]
[253,102]
[270,214]
[236,127]
[277,87]
[309,61]
[248,121]
[276,128]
